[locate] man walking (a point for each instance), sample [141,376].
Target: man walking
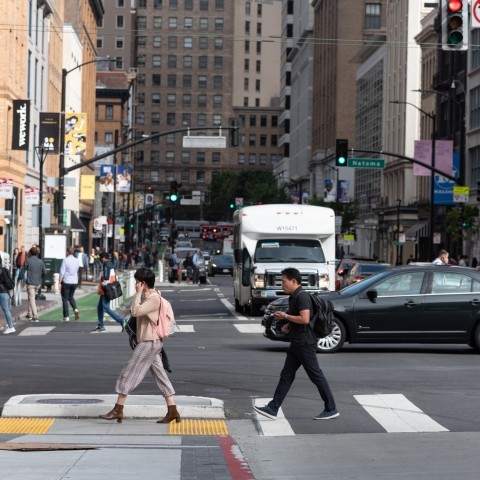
[68,283]
[35,270]
[197,258]
[108,276]
[82,261]
[302,349]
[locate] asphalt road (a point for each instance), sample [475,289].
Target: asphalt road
[218,354]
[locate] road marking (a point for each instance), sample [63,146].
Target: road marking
[272,428]
[184,329]
[395,413]
[31,331]
[249,328]
[231,308]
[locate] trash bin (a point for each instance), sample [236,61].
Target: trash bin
[53,266]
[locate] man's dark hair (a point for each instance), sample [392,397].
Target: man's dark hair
[103,255]
[34,251]
[292,274]
[145,275]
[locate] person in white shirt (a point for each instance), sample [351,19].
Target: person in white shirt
[442,258]
[68,283]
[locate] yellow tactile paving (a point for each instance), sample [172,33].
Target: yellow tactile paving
[198,427]
[27,426]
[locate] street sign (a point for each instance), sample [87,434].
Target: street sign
[190,201]
[6,213]
[366,162]
[475,17]
[461,194]
[204,141]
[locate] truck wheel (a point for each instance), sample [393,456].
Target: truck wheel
[238,307]
[333,342]
[255,310]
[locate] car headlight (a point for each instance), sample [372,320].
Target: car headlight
[259,280]
[323,281]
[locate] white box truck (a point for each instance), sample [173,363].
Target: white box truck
[269,238]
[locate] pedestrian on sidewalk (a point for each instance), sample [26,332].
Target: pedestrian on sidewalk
[6,283]
[146,355]
[34,269]
[82,261]
[302,350]
[68,280]
[108,276]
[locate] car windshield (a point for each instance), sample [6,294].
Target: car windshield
[364,284]
[368,269]
[223,259]
[286,251]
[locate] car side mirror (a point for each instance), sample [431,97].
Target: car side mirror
[372,296]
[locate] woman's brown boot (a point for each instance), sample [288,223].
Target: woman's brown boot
[116,413]
[172,414]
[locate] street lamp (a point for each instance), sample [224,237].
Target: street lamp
[431,222]
[399,257]
[61,178]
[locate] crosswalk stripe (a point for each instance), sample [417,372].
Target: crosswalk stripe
[272,428]
[31,331]
[249,328]
[395,413]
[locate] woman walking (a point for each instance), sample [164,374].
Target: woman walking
[146,356]
[6,283]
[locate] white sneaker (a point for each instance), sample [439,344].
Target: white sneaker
[65,319]
[9,330]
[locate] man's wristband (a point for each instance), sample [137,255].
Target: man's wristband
[286,316]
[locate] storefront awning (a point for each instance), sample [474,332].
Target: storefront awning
[418,230]
[76,224]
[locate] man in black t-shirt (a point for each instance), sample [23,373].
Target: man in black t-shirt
[302,350]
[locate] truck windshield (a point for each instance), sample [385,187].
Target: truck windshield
[288,251]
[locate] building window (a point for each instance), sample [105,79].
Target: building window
[120,21]
[185,157]
[155,156]
[203,23]
[156,79]
[172,80]
[252,140]
[155,118]
[119,63]
[202,100]
[172,61]
[170,118]
[259,28]
[188,42]
[253,120]
[219,24]
[474,108]
[259,47]
[372,15]
[119,42]
[202,81]
[188,4]
[252,158]
[241,159]
[188,22]
[157,22]
[172,41]
[140,118]
[202,61]
[274,121]
[263,140]
[203,43]
[263,159]
[99,42]
[201,157]
[108,112]
[171,100]
[217,81]
[187,100]
[155,99]
[140,78]
[259,10]
[172,22]
[257,85]
[247,46]
[187,81]
[141,23]
[204,5]
[141,60]
[245,101]
[200,177]
[185,176]
[274,140]
[170,157]
[201,119]
[217,119]
[217,100]
[245,84]
[218,63]
[141,41]
[187,61]
[186,119]
[475,50]
[157,3]
[263,120]
[248,7]
[258,66]
[216,158]
[156,60]
[139,156]
[142,3]
[173,4]
[170,139]
[218,43]
[108,138]
[247,27]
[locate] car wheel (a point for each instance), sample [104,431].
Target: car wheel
[238,307]
[476,339]
[333,342]
[255,310]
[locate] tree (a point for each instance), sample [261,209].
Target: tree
[348,211]
[253,186]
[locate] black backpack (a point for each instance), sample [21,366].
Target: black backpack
[322,320]
[171,262]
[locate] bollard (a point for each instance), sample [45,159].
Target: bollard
[55,285]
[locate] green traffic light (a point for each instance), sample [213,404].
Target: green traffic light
[173,197]
[232,205]
[342,160]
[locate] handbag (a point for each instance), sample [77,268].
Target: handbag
[113,290]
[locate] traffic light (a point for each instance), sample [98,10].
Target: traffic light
[341,152]
[455,25]
[173,191]
[232,205]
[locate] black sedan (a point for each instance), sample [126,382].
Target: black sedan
[220,264]
[412,304]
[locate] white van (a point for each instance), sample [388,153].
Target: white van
[269,238]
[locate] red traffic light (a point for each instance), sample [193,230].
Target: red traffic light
[454,5]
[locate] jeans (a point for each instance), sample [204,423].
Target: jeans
[32,305]
[67,290]
[104,306]
[305,356]
[5,304]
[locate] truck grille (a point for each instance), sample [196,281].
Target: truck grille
[274,280]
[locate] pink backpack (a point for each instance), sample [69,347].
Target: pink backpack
[166,319]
